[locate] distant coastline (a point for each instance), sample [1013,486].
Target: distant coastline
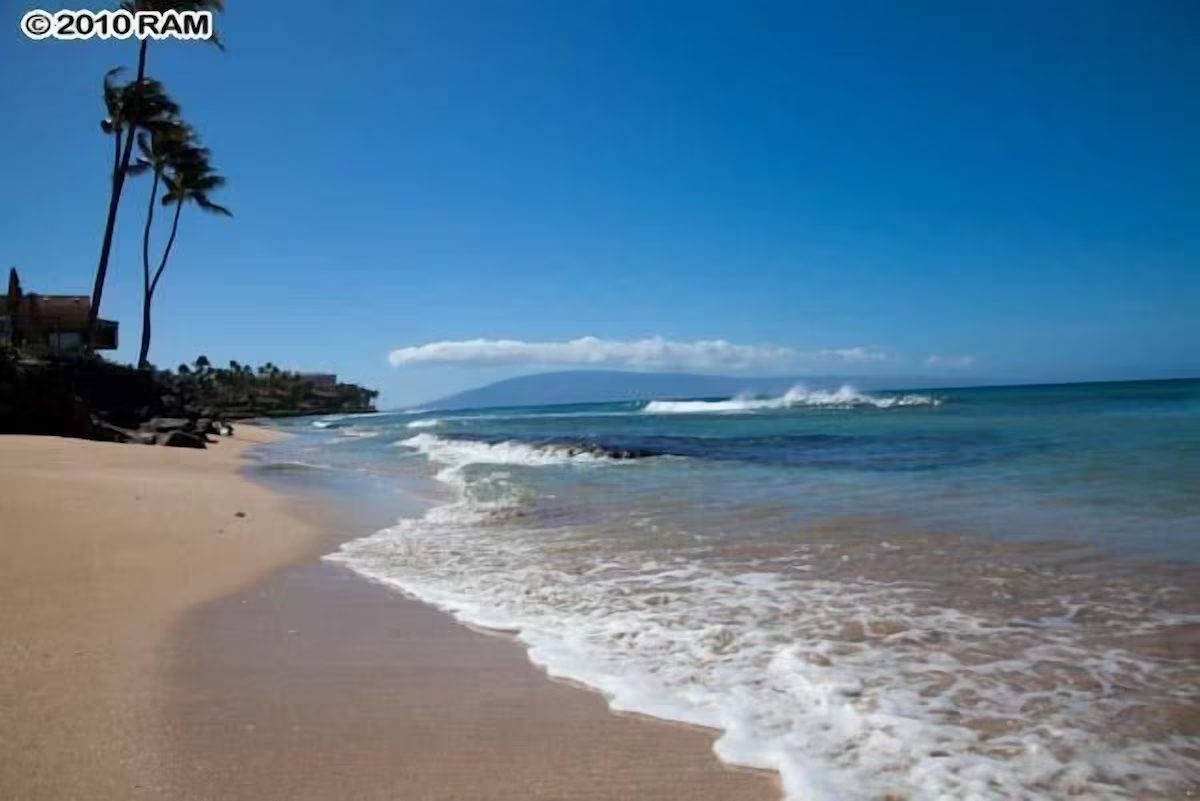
[92,398]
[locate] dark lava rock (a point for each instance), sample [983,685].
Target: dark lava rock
[166,424]
[180,439]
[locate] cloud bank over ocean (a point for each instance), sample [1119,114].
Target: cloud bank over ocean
[652,352]
[657,353]
[648,353]
[856,354]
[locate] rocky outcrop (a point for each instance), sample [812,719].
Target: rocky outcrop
[180,439]
[98,400]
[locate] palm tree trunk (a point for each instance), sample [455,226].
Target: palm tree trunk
[152,284]
[162,265]
[114,202]
[143,362]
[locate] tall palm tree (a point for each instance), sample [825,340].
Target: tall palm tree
[162,148]
[129,120]
[146,102]
[183,168]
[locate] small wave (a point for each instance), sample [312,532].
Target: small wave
[358,433]
[844,398]
[338,420]
[291,466]
[431,422]
[461,452]
[848,686]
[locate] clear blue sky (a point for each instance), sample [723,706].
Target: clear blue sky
[1011,186]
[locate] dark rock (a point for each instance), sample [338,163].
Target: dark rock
[179,439]
[110,433]
[164,424]
[65,397]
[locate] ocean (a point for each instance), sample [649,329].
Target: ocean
[941,594]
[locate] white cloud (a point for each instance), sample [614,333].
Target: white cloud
[855,354]
[950,361]
[654,352]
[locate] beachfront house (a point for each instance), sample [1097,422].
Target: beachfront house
[322,381]
[50,325]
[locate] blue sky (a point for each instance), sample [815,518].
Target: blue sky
[1010,187]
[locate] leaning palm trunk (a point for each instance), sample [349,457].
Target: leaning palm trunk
[143,362]
[152,283]
[120,170]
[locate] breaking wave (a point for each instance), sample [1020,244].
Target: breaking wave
[457,453]
[339,420]
[844,398]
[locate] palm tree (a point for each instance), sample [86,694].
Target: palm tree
[146,102]
[164,147]
[159,148]
[129,119]
[182,166]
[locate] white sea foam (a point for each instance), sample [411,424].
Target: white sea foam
[430,422]
[849,687]
[357,432]
[333,420]
[844,398]
[457,453]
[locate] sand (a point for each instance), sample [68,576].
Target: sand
[105,547]
[155,643]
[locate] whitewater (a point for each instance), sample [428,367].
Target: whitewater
[832,591]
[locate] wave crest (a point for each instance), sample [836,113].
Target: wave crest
[846,397]
[457,453]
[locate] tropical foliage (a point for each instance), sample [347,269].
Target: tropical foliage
[132,107]
[240,390]
[172,153]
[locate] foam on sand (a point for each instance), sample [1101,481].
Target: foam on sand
[809,659]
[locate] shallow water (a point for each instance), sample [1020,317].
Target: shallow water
[986,593]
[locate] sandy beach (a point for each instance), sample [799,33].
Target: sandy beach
[169,632]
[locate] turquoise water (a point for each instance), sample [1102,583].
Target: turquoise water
[964,593]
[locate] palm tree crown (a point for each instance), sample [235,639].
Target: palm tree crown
[145,102]
[191,181]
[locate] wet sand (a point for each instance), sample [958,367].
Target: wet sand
[157,645]
[318,685]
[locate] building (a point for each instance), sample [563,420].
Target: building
[50,325]
[320,380]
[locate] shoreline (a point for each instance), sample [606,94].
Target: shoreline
[214,668]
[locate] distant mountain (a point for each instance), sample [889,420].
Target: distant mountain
[605,386]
